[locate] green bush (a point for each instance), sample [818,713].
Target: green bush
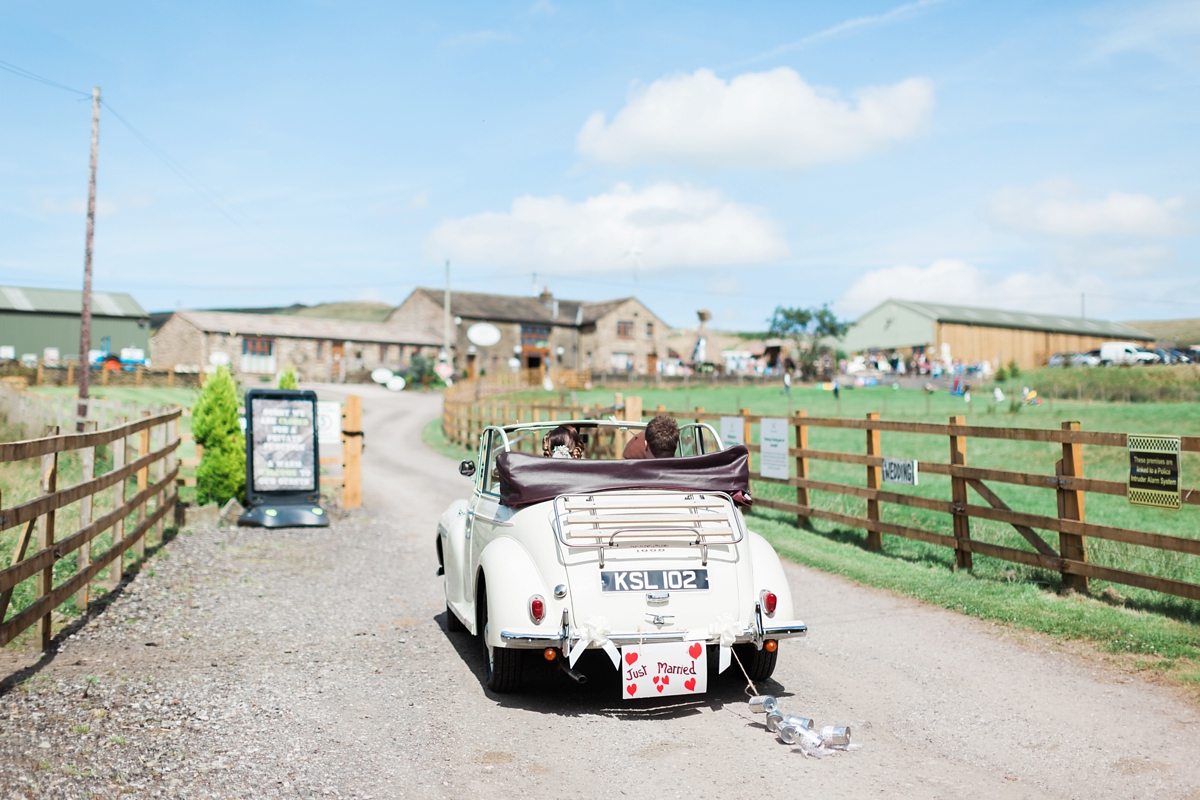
[1014,368]
[222,471]
[288,379]
[1001,374]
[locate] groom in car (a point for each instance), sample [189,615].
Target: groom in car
[658,440]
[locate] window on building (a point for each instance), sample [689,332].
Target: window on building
[649,330]
[535,337]
[622,362]
[258,346]
[383,353]
[625,329]
[320,350]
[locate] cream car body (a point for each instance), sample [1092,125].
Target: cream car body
[497,560]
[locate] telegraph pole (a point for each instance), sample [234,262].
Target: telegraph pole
[446,316]
[85,316]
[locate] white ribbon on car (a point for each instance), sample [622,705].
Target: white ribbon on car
[726,631]
[595,632]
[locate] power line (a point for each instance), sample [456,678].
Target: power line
[33,76]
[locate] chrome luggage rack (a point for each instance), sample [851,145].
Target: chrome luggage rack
[604,520]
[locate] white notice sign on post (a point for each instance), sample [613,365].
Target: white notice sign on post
[773,436]
[731,431]
[898,470]
[329,423]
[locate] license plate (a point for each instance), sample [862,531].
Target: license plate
[662,669]
[651,580]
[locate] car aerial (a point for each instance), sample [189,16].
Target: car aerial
[647,560]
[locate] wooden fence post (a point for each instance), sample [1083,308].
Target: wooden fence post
[874,481]
[801,464]
[745,412]
[1070,506]
[143,480]
[170,377]
[138,374]
[958,496]
[633,413]
[117,566]
[352,452]
[87,459]
[45,578]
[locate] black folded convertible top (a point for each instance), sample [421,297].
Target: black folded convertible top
[526,479]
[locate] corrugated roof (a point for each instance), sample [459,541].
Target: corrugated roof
[1024,320]
[520,308]
[67,301]
[293,327]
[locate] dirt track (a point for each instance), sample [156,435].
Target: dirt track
[316,663]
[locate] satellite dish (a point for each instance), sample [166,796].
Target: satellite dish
[483,334]
[381,375]
[396,383]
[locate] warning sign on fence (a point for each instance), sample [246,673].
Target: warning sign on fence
[1154,471]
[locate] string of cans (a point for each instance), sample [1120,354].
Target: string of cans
[795,730]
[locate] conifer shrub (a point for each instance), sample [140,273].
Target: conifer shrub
[288,379]
[222,471]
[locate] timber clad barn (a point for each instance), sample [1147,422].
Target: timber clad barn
[33,321]
[263,344]
[973,335]
[616,336]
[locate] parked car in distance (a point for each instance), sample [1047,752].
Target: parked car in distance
[1172,356]
[1091,359]
[1117,353]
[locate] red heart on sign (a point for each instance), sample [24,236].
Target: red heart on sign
[631,688]
[630,658]
[655,679]
[690,684]
[666,678]
[695,650]
[660,687]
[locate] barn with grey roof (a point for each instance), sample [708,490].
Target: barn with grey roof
[974,335]
[45,322]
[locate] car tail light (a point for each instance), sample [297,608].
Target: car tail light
[769,602]
[537,608]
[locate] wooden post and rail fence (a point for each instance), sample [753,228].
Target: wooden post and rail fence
[151,466]
[465,418]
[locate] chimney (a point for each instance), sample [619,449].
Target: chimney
[546,296]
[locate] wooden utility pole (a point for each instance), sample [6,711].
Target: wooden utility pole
[446,316]
[85,316]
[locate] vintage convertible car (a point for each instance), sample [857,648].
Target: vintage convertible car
[552,556]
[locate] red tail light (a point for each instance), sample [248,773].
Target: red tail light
[770,601]
[537,608]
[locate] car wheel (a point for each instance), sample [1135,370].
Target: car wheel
[453,623]
[759,664]
[503,664]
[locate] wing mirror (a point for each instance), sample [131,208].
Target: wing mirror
[467,469]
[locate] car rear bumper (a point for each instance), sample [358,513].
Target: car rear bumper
[748,635]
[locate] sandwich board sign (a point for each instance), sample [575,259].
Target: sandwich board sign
[899,470]
[282,459]
[773,438]
[1154,471]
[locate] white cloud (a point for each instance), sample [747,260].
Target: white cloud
[950,280]
[419,200]
[668,225]
[760,119]
[1057,209]
[1167,31]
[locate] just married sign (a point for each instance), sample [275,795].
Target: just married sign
[662,669]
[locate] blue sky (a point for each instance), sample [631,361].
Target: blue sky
[723,156]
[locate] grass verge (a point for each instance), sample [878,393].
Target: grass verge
[1146,640]
[433,438]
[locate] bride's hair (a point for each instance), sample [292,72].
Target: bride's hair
[562,441]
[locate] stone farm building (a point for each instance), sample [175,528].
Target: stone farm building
[613,336]
[973,335]
[259,345]
[44,323]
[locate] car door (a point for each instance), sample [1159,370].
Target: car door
[482,514]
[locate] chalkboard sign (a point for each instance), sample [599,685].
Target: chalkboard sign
[281,445]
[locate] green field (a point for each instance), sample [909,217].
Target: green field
[147,396]
[1122,618]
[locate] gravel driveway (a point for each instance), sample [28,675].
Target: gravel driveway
[244,663]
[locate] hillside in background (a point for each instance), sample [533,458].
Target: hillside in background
[361,310]
[1185,332]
